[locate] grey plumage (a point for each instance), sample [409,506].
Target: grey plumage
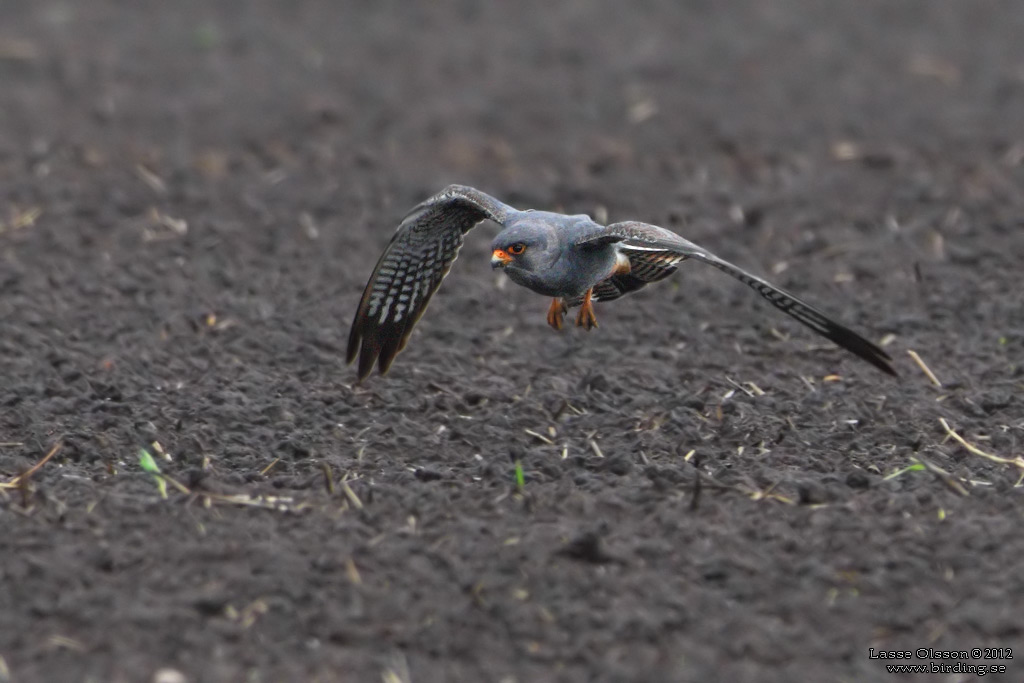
[570,258]
[559,260]
[410,270]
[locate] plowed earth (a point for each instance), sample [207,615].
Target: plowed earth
[192,195]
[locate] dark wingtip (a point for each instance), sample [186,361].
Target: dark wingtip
[882,362]
[384,364]
[355,334]
[353,347]
[388,351]
[367,358]
[866,351]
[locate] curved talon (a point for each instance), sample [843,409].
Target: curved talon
[556,313]
[586,318]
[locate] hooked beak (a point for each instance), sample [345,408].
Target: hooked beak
[500,258]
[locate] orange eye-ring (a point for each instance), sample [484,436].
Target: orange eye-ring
[517,249]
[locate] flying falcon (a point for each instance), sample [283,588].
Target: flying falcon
[571,259]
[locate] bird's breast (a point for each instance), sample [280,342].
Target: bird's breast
[546,284]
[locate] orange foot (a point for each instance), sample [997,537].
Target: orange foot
[556,313]
[586,317]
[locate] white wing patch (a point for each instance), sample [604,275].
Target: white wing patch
[636,247]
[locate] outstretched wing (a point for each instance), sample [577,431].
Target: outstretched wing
[644,267]
[411,269]
[655,252]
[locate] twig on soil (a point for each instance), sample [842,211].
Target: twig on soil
[748,388]
[17,481]
[269,467]
[397,670]
[151,179]
[248,614]
[767,494]
[279,503]
[1016,462]
[353,572]
[21,219]
[539,437]
[328,478]
[163,227]
[924,368]
[159,450]
[943,476]
[350,494]
[177,484]
[563,407]
[57,642]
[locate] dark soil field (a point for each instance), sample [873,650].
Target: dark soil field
[192,196]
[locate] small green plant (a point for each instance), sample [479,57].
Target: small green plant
[916,467]
[520,477]
[147,463]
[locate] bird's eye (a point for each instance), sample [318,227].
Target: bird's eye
[517,249]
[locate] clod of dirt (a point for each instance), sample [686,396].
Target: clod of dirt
[858,480]
[595,382]
[294,448]
[715,570]
[427,474]
[195,478]
[811,493]
[992,401]
[587,547]
[619,465]
[210,602]
[103,559]
[198,479]
[664,476]
[147,430]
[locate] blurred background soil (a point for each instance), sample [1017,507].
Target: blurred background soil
[192,195]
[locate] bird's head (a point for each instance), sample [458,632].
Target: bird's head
[523,247]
